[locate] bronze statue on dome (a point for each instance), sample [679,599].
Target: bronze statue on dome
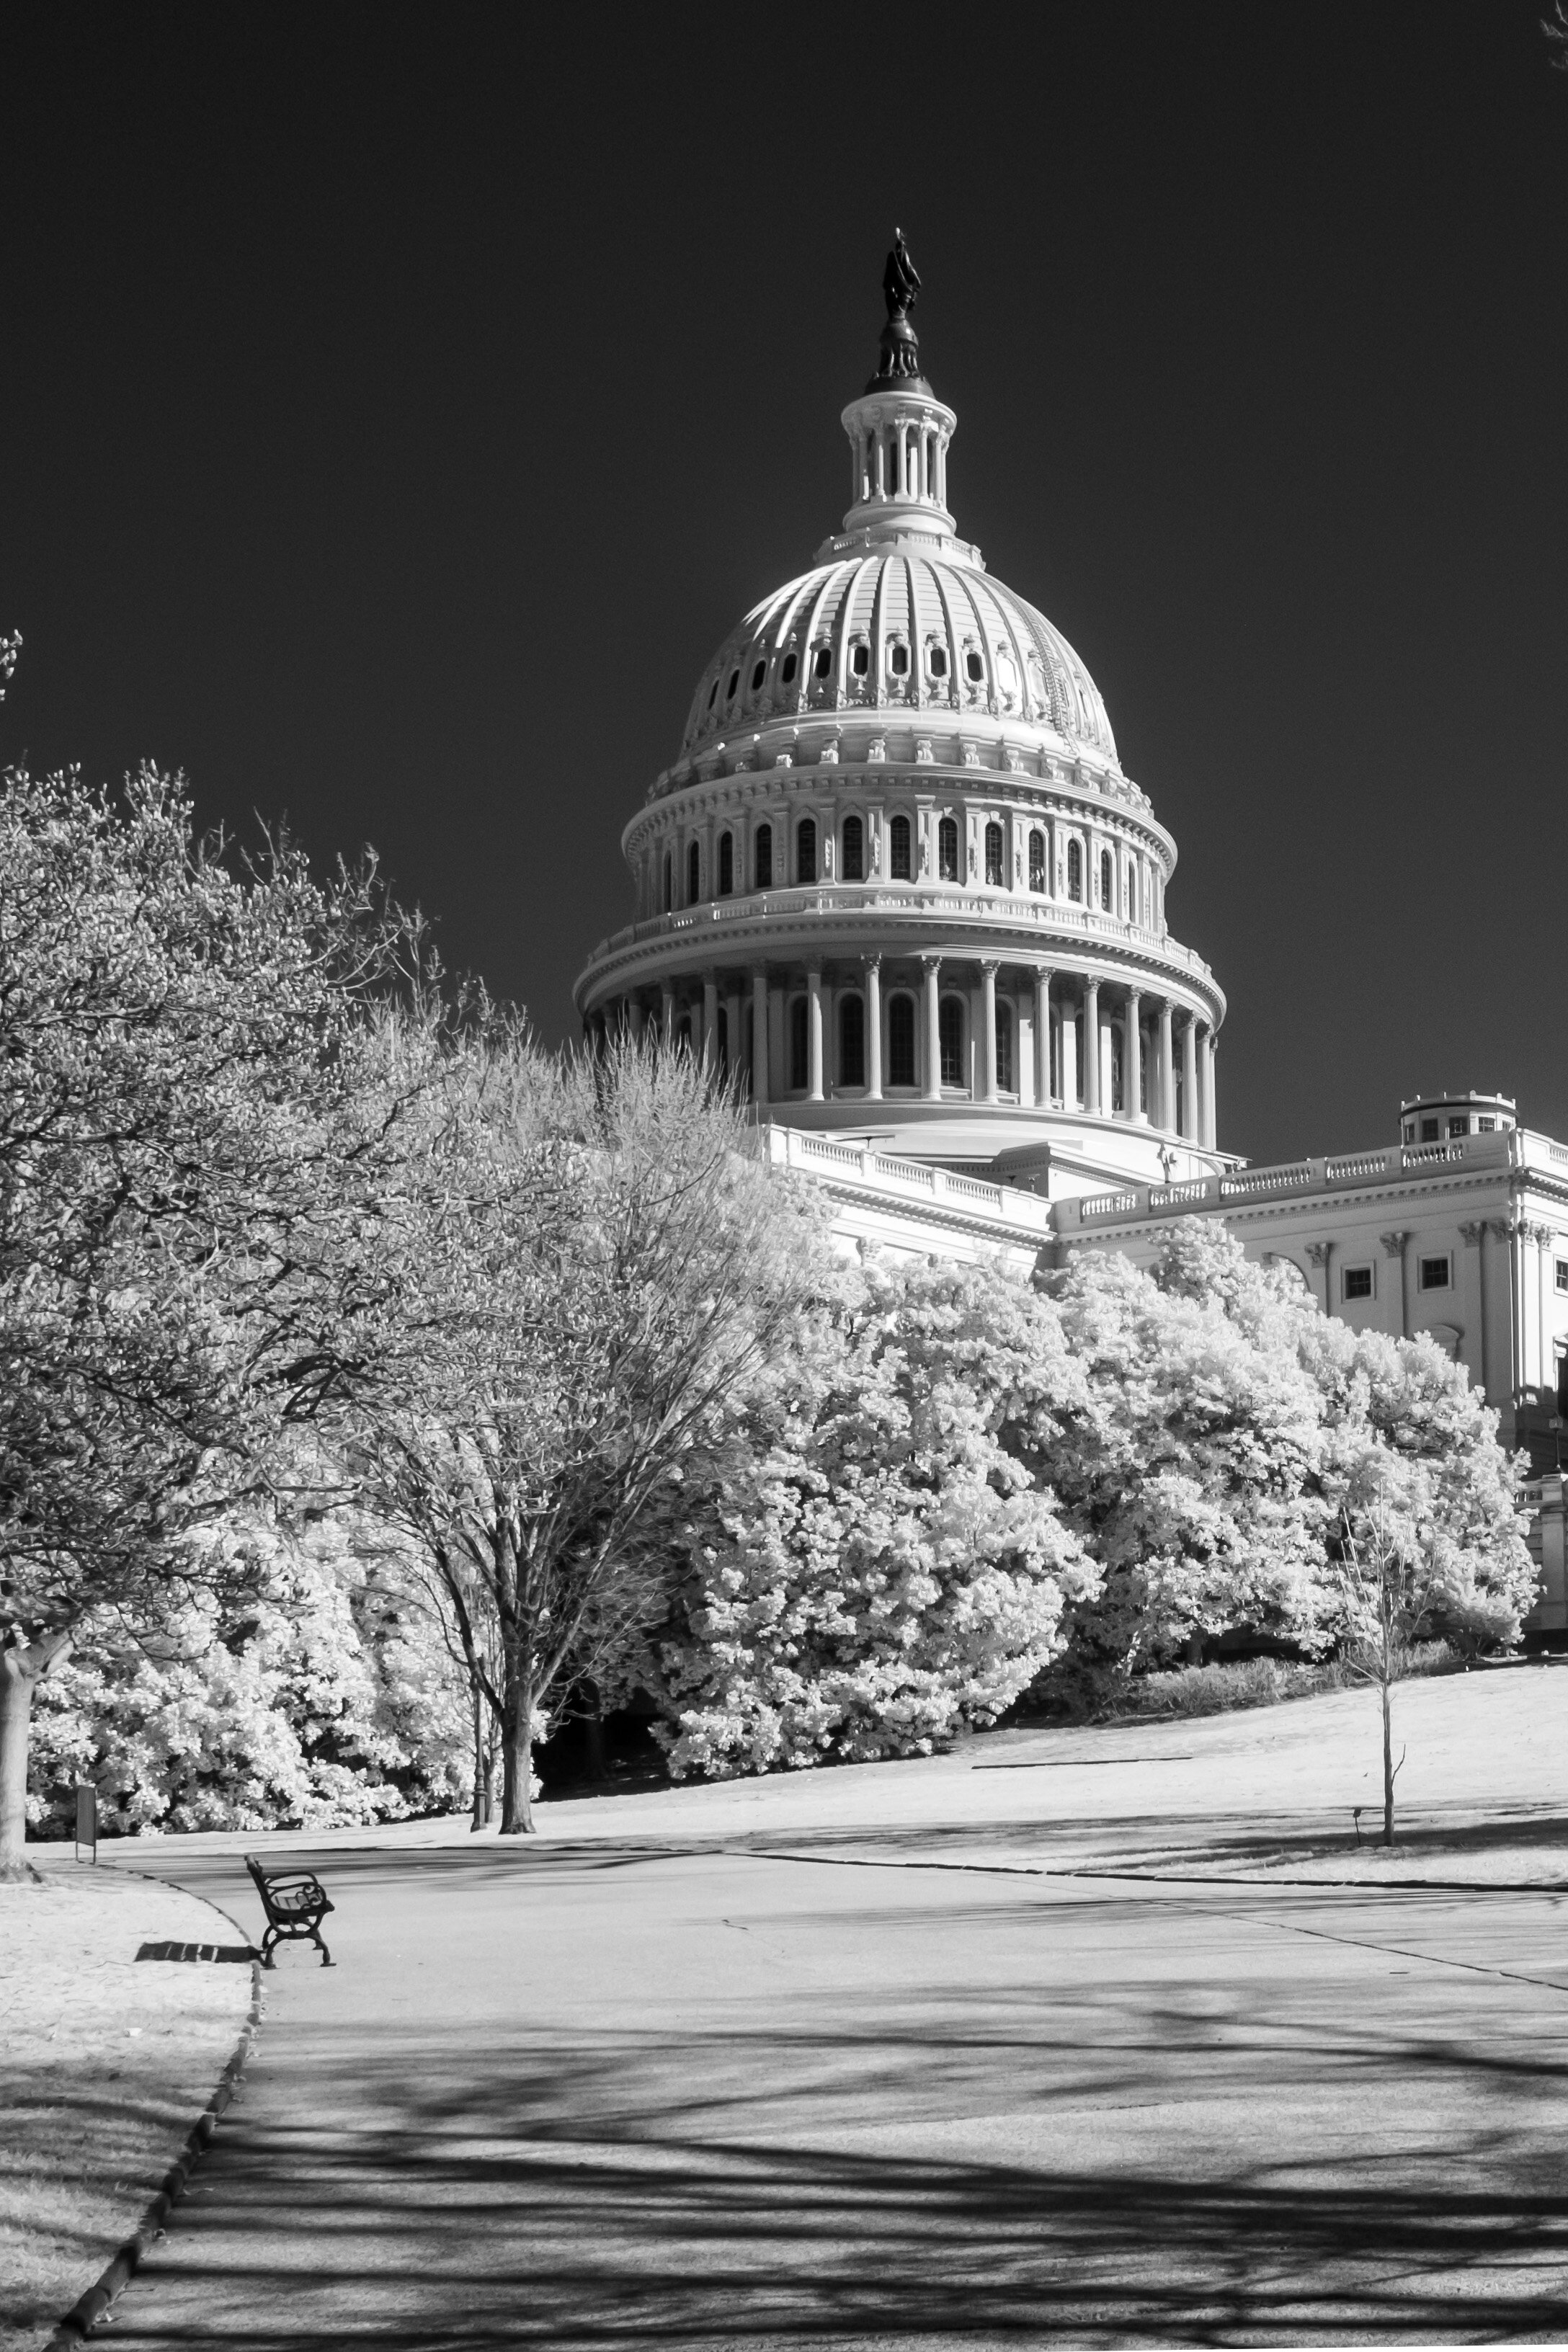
[899,360]
[900,279]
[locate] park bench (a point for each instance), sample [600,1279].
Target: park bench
[295,1905]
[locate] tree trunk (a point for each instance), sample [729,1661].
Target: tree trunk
[21,1671]
[1387,1761]
[481,1760]
[517,1744]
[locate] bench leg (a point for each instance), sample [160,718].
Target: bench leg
[269,1945]
[327,1959]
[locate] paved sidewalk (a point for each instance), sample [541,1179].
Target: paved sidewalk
[613,2094]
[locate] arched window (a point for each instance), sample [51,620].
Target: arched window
[693,874]
[898,849]
[950,1038]
[805,850]
[1075,870]
[993,856]
[799,1049]
[764,857]
[851,1041]
[726,863]
[1004,1047]
[947,850]
[669,882]
[901,1041]
[1106,898]
[1036,861]
[854,850]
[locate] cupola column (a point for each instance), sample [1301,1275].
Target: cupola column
[1042,1035]
[760,1036]
[1091,1049]
[988,1029]
[1133,1059]
[1190,1131]
[1211,1121]
[873,1028]
[931,967]
[1167,1070]
[814,1031]
[710,1020]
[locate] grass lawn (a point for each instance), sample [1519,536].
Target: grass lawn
[105,2064]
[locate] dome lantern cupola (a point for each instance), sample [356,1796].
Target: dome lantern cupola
[899,431]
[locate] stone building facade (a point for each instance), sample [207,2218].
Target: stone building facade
[897,886]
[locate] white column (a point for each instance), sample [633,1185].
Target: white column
[1206,1090]
[1167,1070]
[667,1013]
[634,1007]
[1091,1047]
[710,1020]
[1042,1035]
[988,1030]
[814,1032]
[1132,1059]
[931,966]
[760,1037]
[1068,1073]
[1191,1131]
[734,1044]
[873,1028]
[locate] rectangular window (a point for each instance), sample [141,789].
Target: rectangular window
[1458,1127]
[1355,1282]
[1563,1273]
[1428,1131]
[1433,1273]
[1486,1127]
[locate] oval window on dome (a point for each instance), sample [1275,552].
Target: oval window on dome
[758,675]
[861,661]
[899,660]
[822,662]
[1006,671]
[734,682]
[937,658]
[787,672]
[974,665]
[712,694]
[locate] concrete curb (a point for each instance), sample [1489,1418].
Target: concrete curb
[85,2314]
[1163,1877]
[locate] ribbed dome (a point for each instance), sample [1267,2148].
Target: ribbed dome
[892,629]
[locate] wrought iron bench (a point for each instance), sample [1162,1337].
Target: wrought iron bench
[295,1904]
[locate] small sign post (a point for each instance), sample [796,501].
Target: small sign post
[85,1818]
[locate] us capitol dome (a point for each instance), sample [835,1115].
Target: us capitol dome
[896,885]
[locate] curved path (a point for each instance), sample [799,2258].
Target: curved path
[617,2094]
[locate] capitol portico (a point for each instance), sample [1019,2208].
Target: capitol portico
[896,884]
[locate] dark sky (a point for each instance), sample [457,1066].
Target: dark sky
[399,406]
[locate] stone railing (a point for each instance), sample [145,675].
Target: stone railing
[857,1168]
[1393,1163]
[953,902]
